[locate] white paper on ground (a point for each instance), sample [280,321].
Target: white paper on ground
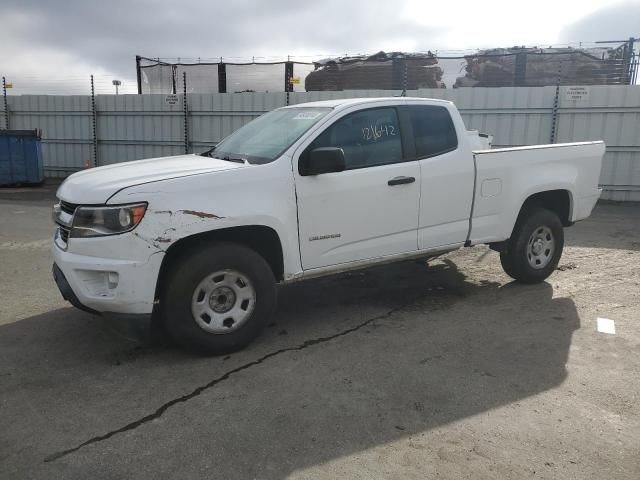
[604,325]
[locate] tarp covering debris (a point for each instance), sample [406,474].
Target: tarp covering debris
[501,67]
[389,71]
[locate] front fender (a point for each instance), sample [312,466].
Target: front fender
[262,195]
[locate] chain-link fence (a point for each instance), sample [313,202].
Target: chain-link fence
[518,66]
[593,63]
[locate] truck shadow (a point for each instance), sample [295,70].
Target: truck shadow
[452,348]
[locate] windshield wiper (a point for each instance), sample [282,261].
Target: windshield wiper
[208,152]
[211,154]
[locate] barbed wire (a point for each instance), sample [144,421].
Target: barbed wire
[317,56]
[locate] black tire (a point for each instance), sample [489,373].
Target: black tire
[515,259]
[507,263]
[186,274]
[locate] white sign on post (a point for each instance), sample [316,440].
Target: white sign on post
[576,94]
[172,99]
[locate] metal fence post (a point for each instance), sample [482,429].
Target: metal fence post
[6,105]
[222,77]
[139,74]
[174,72]
[405,79]
[185,112]
[288,75]
[554,111]
[93,124]
[628,58]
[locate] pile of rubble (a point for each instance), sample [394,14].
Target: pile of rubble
[543,66]
[388,71]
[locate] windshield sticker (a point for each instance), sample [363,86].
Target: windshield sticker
[307,115]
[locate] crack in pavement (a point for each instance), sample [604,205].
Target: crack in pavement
[185,398]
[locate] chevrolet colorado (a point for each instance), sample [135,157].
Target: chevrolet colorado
[303,191]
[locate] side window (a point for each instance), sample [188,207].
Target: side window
[368,138]
[433,130]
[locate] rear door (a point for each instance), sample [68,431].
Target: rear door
[447,175]
[368,210]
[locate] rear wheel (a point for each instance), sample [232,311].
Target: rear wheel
[217,299]
[535,247]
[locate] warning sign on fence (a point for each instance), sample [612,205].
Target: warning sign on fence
[172,99]
[576,94]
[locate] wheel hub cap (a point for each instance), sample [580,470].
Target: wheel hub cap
[223,301]
[540,247]
[537,246]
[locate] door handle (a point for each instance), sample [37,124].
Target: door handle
[401,180]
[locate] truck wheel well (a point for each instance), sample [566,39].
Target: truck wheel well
[263,240]
[558,201]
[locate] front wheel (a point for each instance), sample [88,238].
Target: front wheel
[535,247]
[217,299]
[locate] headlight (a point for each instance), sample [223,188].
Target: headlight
[100,221]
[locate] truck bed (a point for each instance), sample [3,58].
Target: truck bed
[506,177]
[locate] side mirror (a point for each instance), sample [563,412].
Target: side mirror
[322,160]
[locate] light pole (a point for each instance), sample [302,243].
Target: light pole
[116,83]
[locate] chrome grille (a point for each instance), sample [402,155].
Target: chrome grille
[69,208]
[63,217]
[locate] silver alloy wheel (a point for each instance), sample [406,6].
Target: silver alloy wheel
[223,301]
[540,247]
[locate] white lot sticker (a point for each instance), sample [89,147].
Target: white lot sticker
[604,325]
[307,115]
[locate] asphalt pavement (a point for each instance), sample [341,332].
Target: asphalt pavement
[402,371]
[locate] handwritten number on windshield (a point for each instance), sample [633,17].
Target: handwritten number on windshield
[374,132]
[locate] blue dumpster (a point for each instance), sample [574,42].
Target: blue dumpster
[20,158]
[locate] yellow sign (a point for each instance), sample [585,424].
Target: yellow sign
[8,85]
[294,80]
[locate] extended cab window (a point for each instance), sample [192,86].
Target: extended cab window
[368,137]
[433,130]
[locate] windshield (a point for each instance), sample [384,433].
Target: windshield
[268,136]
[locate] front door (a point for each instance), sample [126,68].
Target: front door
[368,210]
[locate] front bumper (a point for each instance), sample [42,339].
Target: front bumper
[67,292]
[101,285]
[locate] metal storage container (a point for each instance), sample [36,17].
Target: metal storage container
[20,157]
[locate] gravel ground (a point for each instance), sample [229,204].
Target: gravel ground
[401,371]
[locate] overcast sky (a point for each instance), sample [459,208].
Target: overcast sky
[62,42]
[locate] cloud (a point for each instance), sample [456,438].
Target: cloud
[110,33]
[47,39]
[613,22]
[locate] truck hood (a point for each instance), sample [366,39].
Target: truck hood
[96,185]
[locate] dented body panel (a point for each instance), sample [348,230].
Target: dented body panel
[257,195]
[321,226]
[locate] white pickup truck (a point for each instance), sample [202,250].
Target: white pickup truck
[303,191]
